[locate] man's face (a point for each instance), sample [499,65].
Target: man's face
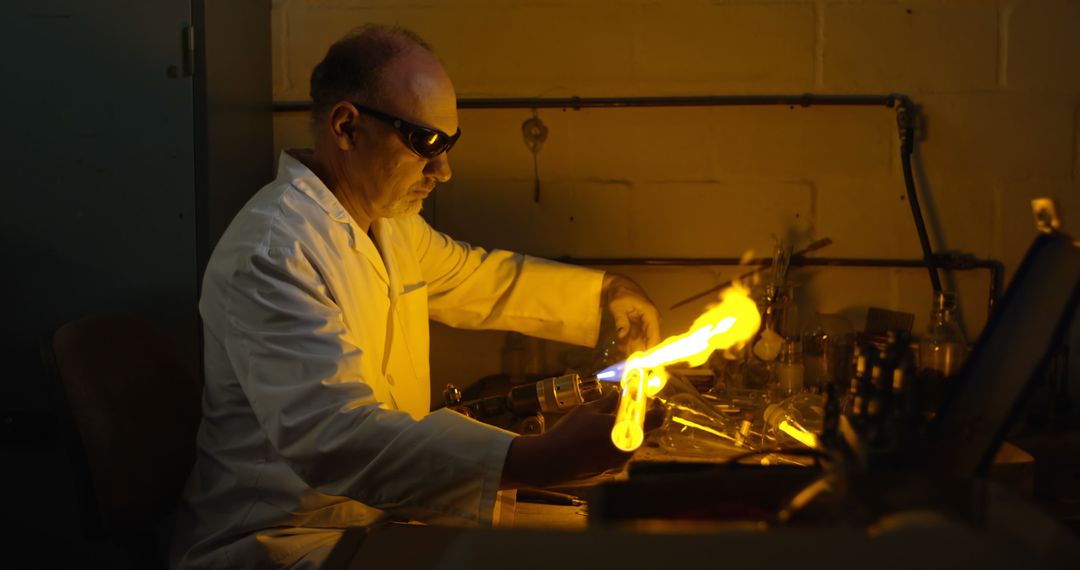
[386,177]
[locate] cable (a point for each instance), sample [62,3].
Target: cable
[905,124]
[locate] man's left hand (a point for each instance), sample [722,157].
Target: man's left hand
[637,321]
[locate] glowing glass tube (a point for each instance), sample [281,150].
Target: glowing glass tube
[629,430]
[728,324]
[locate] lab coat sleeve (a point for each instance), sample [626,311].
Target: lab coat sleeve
[300,370]
[470,287]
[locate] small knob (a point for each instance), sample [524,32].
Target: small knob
[451,395]
[532,425]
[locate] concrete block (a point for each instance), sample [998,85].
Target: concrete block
[725,47]
[535,50]
[719,219]
[959,215]
[1043,46]
[491,50]
[694,144]
[845,291]
[866,218]
[983,137]
[577,218]
[805,143]
[910,45]
[631,144]
[615,219]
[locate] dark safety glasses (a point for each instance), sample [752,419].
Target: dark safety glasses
[424,141]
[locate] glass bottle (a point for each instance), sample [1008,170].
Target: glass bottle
[941,350]
[787,312]
[852,403]
[827,343]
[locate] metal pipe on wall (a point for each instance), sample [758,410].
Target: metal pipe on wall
[804,100]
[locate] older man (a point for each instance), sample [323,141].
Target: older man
[316,305]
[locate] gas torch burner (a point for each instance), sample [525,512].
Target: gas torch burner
[529,401]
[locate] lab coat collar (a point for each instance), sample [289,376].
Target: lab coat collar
[306,182]
[303,179]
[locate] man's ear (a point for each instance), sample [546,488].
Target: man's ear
[344,123]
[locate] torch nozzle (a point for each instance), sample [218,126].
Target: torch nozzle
[613,373]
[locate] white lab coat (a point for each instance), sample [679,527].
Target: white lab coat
[317,382]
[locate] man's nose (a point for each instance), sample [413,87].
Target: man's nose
[439,168]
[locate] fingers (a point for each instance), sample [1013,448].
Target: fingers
[652,329]
[649,324]
[622,324]
[606,404]
[637,320]
[634,341]
[643,332]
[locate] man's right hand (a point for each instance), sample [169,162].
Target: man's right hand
[578,446]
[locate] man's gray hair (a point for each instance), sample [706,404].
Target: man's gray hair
[353,66]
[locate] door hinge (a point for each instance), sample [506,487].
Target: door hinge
[188,65]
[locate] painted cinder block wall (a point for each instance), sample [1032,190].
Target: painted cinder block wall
[997,82]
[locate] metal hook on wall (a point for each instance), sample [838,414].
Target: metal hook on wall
[535,132]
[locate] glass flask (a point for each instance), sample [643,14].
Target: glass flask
[695,427]
[794,422]
[779,323]
[762,350]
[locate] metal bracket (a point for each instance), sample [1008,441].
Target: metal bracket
[1046,215]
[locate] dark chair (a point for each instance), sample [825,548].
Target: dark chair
[132,408]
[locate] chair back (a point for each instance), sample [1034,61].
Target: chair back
[134,404]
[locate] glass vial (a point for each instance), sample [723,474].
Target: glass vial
[789,369]
[827,343]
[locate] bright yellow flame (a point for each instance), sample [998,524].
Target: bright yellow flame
[734,320]
[656,383]
[801,435]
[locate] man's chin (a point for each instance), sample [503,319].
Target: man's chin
[409,211]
